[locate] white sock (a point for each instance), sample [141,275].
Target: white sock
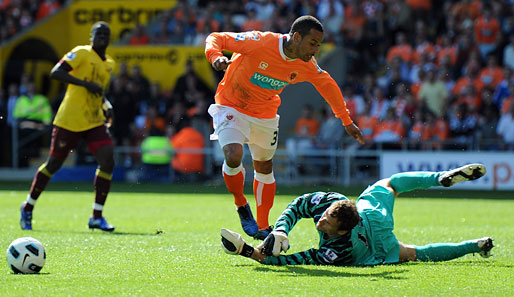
[98,207]
[31,200]
[264,178]
[233,171]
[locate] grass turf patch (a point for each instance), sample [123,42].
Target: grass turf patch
[168,244]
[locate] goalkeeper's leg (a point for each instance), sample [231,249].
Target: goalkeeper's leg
[414,180]
[437,252]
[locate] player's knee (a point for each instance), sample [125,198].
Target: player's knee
[233,154]
[264,167]
[53,164]
[107,165]
[407,253]
[386,183]
[411,254]
[105,159]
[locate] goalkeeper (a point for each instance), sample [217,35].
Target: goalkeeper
[359,233]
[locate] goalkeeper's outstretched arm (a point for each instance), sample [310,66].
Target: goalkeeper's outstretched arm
[253,253]
[234,244]
[308,257]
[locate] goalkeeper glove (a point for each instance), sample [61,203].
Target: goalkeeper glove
[233,244]
[274,243]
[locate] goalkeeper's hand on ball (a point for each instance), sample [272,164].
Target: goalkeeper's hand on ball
[275,242]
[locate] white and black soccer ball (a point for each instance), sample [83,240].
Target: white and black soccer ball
[26,255]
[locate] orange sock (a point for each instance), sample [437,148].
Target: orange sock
[235,185]
[264,196]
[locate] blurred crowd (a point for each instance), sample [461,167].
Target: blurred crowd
[427,74]
[16,15]
[420,74]
[142,109]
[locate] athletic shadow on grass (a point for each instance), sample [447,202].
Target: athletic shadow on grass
[319,271]
[132,233]
[103,233]
[29,274]
[470,263]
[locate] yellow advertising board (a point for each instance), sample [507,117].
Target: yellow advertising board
[39,49]
[122,16]
[35,52]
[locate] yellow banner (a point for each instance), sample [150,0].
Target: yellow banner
[35,53]
[39,49]
[122,16]
[163,64]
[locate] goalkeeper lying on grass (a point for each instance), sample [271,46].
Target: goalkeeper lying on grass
[359,233]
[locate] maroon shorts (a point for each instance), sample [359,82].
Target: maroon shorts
[63,141]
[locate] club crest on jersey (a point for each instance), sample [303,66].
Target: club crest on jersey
[70,56]
[263,65]
[247,36]
[317,198]
[329,256]
[316,64]
[292,76]
[230,117]
[267,82]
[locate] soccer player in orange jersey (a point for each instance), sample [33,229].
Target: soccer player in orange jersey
[87,70]
[247,99]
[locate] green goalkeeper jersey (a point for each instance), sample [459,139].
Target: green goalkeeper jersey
[335,251]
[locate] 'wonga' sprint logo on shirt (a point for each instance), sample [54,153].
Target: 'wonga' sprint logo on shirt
[267,82]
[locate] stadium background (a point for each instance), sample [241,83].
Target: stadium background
[35,48]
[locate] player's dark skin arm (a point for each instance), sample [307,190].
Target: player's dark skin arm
[61,72]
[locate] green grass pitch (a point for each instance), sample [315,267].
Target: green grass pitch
[186,258]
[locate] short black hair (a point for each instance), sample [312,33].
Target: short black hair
[304,24]
[99,24]
[345,211]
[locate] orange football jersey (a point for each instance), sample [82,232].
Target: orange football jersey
[260,70]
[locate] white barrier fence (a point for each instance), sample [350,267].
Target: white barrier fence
[500,166]
[346,167]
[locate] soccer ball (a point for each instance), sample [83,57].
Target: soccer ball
[26,255]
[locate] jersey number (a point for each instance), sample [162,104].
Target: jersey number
[275,134]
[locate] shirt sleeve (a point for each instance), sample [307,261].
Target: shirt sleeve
[307,257]
[321,256]
[310,205]
[330,91]
[74,57]
[244,43]
[296,210]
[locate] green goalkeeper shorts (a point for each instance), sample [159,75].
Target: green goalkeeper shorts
[375,205]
